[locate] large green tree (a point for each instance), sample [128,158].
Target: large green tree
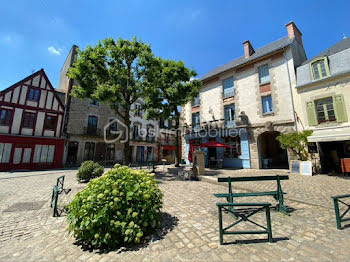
[113,72]
[171,85]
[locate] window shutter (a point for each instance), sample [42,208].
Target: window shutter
[311,113]
[339,108]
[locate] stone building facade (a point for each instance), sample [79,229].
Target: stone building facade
[322,103]
[250,101]
[91,133]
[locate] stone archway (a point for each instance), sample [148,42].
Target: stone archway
[271,155]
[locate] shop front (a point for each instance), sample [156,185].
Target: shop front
[232,150]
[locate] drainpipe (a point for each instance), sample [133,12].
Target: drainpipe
[290,89]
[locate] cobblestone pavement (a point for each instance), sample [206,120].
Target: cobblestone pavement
[28,232]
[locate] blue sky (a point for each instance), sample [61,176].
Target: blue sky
[204,34]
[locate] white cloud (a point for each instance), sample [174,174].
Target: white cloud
[54,51]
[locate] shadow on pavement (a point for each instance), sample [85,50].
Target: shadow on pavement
[256,241]
[167,224]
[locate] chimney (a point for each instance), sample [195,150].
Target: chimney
[248,49]
[293,31]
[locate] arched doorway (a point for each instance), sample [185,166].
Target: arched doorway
[271,155]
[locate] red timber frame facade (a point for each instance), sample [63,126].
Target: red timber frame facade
[36,145]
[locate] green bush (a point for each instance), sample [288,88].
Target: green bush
[119,208]
[89,170]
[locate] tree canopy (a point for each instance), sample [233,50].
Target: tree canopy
[171,84]
[297,142]
[113,72]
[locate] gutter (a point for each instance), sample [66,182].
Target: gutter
[344,73]
[290,89]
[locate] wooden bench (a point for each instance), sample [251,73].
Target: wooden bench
[244,216]
[339,218]
[277,194]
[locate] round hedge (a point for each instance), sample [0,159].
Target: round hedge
[89,170]
[118,208]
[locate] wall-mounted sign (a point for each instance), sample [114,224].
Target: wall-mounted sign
[301,167]
[295,167]
[306,168]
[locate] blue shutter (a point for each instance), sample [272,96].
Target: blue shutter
[245,155]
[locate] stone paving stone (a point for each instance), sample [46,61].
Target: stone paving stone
[307,234]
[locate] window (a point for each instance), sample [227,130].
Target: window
[33,94]
[138,110]
[113,126]
[136,132]
[267,106]
[5,152]
[170,123]
[319,68]
[235,150]
[149,153]
[92,125]
[325,110]
[264,74]
[228,86]
[44,154]
[29,120]
[50,122]
[94,102]
[5,117]
[150,133]
[161,123]
[196,101]
[230,115]
[110,152]
[195,121]
[89,151]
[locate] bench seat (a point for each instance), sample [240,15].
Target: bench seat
[270,193]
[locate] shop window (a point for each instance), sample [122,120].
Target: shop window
[110,152]
[5,152]
[44,154]
[89,151]
[235,150]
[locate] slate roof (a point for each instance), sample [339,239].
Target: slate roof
[338,47]
[267,49]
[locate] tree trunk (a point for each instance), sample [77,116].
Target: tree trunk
[127,149]
[177,136]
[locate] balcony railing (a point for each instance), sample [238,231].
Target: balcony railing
[228,92]
[230,123]
[92,131]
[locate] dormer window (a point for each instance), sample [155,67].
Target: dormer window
[319,68]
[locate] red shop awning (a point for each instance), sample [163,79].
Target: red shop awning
[214,143]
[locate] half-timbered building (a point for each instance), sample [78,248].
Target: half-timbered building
[31,122]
